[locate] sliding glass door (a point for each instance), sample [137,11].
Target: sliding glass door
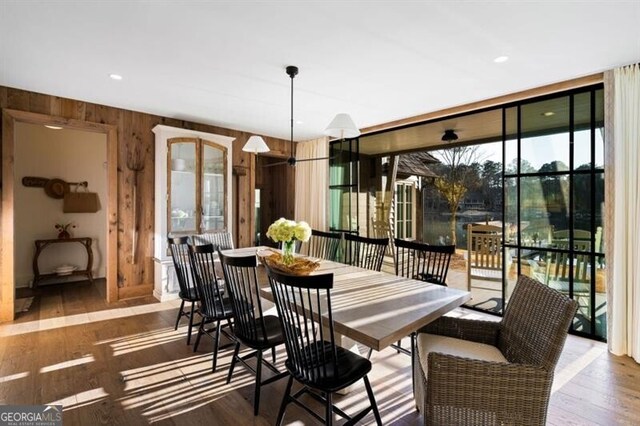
[533,171]
[554,192]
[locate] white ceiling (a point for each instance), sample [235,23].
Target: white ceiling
[223,63]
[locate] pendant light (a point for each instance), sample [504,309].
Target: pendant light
[256,145]
[449,136]
[342,127]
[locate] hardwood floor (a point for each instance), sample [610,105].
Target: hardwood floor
[124,364]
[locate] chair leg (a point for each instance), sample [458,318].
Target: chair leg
[369,353]
[256,393]
[328,419]
[412,336]
[200,333]
[233,362]
[190,323]
[399,344]
[216,343]
[285,401]
[273,354]
[372,400]
[179,314]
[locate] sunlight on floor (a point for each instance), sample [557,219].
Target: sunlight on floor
[143,341]
[15,376]
[154,389]
[168,389]
[563,376]
[67,364]
[81,399]
[14,329]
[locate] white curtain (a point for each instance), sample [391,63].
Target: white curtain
[624,157]
[312,183]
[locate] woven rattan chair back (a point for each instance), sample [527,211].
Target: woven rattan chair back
[241,277]
[365,252]
[324,245]
[222,239]
[535,324]
[422,261]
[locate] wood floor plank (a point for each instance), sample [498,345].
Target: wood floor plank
[585,410]
[123,364]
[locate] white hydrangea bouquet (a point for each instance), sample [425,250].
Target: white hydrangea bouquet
[287,232]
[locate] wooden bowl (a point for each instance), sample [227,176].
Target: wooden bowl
[300,266]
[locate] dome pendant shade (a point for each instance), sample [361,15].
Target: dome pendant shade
[449,136]
[342,126]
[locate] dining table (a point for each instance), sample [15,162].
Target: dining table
[374,308]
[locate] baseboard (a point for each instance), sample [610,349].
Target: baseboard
[133,292]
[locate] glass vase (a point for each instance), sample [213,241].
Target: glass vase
[287,252]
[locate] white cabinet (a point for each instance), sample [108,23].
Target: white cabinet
[192,193]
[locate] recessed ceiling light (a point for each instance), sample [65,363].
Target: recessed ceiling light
[52,127]
[548,113]
[501,59]
[117,77]
[299,122]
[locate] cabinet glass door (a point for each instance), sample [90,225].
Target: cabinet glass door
[213,187]
[182,181]
[197,199]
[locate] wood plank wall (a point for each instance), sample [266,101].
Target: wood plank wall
[276,197]
[134,129]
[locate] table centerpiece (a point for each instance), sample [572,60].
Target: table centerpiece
[288,232]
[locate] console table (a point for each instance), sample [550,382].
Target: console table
[42,244]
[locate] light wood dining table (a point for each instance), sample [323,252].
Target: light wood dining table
[373,308]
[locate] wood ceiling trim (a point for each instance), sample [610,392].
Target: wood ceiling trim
[492,102]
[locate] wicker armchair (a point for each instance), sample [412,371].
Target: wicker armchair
[493,373]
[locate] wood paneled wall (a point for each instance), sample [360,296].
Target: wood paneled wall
[276,193]
[134,130]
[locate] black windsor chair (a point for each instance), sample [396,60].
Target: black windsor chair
[251,327]
[214,307]
[314,359]
[178,247]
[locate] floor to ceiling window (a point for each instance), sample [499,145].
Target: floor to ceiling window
[534,170]
[343,186]
[554,190]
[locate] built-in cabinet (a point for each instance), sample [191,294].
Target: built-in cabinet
[197,199]
[192,193]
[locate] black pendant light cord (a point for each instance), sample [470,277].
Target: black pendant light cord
[291,140]
[292,71]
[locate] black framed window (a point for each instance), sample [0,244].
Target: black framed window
[554,193]
[343,186]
